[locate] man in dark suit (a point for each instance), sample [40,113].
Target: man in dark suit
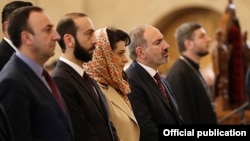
[31,107]
[149,50]
[192,93]
[86,104]
[6,46]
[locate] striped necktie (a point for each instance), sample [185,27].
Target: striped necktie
[159,83]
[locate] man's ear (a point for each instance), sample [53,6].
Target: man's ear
[140,51]
[69,40]
[188,43]
[5,26]
[26,37]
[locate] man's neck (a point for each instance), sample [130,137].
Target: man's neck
[192,57]
[73,60]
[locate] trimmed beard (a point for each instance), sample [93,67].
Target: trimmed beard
[81,53]
[202,54]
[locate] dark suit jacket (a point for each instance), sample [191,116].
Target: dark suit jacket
[6,52]
[148,103]
[194,104]
[32,110]
[88,115]
[5,130]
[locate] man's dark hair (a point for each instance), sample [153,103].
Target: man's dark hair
[18,22]
[185,32]
[67,26]
[10,7]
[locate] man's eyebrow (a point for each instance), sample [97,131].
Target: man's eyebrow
[158,40]
[89,30]
[48,26]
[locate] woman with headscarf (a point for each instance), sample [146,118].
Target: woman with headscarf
[106,68]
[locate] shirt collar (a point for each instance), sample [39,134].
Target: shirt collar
[151,71]
[195,65]
[10,43]
[33,65]
[77,68]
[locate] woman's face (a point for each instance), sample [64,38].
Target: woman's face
[119,54]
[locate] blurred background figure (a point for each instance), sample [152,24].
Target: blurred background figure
[221,53]
[193,95]
[6,46]
[231,33]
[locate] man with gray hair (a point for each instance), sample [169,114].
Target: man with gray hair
[151,97]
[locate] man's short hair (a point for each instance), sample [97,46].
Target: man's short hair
[11,6]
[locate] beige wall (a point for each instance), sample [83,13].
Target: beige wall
[130,13]
[126,14]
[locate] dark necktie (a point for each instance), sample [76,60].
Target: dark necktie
[54,89]
[90,84]
[159,83]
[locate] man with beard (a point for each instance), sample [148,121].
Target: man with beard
[85,102]
[188,85]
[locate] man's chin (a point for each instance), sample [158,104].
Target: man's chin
[52,54]
[88,59]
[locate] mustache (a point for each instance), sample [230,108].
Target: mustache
[92,48]
[165,51]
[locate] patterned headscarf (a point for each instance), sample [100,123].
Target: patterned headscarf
[103,67]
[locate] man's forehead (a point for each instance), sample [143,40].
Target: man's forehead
[151,34]
[203,30]
[84,23]
[39,19]
[199,31]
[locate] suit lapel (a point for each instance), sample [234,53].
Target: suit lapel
[119,102]
[82,82]
[39,84]
[40,88]
[150,82]
[102,99]
[172,101]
